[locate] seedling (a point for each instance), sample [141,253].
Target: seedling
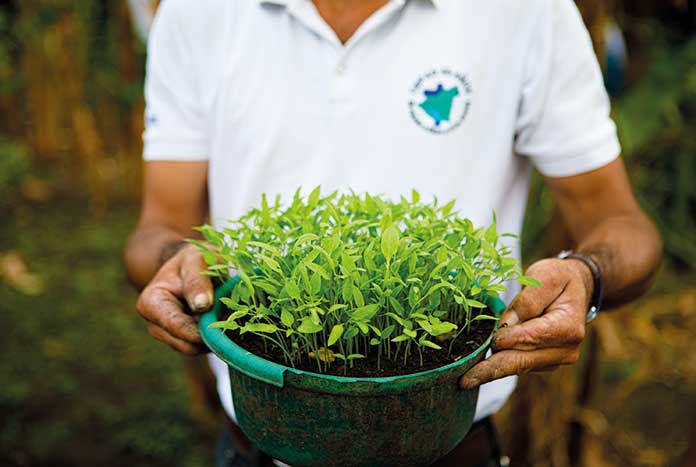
[334,279]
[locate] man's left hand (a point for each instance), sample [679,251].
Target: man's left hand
[543,327]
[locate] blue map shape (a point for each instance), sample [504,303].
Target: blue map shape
[438,103]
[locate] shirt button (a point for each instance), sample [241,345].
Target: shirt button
[341,69]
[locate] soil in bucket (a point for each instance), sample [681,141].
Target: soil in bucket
[367,367]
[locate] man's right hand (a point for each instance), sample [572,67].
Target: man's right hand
[173,297]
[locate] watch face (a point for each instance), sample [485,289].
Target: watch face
[591,314]
[564,254]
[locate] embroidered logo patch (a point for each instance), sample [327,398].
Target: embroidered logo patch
[440,100]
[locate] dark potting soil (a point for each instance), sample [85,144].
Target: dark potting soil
[367,367]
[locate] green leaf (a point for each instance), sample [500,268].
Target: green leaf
[355,356]
[292,289]
[475,303]
[528,281]
[390,241]
[365,313]
[415,196]
[287,318]
[396,305]
[262,328]
[358,297]
[319,270]
[209,257]
[400,338]
[267,287]
[306,238]
[270,263]
[336,307]
[229,303]
[238,314]
[265,246]
[369,262]
[427,343]
[491,234]
[228,325]
[484,317]
[315,283]
[363,327]
[265,211]
[347,263]
[245,279]
[308,327]
[444,327]
[314,197]
[386,220]
[336,333]
[447,208]
[396,318]
[350,333]
[413,296]
[347,291]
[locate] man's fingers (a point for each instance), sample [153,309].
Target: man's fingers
[198,289]
[532,301]
[514,362]
[554,329]
[174,342]
[161,307]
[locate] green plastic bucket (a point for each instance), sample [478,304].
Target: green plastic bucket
[309,419]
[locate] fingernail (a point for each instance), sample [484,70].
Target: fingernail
[511,319]
[201,302]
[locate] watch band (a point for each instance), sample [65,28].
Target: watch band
[598,277]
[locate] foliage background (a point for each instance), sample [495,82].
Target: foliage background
[83,384]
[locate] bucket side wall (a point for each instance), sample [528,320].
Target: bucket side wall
[308,428]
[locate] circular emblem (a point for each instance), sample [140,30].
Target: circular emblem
[440,100]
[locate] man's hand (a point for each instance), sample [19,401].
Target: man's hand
[543,327]
[169,301]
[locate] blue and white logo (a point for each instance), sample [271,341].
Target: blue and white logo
[440,100]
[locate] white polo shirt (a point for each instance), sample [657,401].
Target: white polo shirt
[456,98]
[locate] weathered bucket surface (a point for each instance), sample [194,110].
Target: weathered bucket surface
[309,419]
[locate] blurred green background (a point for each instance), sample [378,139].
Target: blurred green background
[81,382]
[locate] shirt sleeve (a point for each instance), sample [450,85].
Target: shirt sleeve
[563,124]
[175,117]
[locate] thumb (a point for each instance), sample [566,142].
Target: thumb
[197,288]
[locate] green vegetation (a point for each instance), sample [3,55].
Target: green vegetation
[343,276]
[81,381]
[657,123]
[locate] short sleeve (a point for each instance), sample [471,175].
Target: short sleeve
[563,124]
[175,117]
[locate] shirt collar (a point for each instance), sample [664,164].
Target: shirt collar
[435,3]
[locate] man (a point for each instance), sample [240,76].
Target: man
[455,98]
